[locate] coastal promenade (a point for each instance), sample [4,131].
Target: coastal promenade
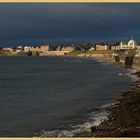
[136,63]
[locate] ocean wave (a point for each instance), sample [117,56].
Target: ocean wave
[102,62]
[76,60]
[99,60]
[105,63]
[130,74]
[94,119]
[79,61]
[134,78]
[109,105]
[120,74]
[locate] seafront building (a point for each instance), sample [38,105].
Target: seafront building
[101,47]
[45,48]
[92,48]
[7,49]
[59,48]
[131,44]
[19,49]
[35,49]
[126,46]
[68,48]
[26,48]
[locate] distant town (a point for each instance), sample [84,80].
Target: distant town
[61,50]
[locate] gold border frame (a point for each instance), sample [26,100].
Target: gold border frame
[67,1]
[35,138]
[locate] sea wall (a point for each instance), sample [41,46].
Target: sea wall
[54,53]
[136,63]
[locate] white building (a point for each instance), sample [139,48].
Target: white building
[59,48]
[130,45]
[91,49]
[19,49]
[113,47]
[27,48]
[7,49]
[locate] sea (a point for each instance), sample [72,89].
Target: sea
[57,96]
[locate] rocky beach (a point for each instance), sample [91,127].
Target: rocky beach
[124,118]
[124,115]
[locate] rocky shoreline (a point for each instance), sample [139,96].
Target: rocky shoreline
[124,118]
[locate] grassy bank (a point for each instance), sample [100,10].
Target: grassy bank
[75,53]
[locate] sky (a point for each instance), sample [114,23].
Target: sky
[62,23]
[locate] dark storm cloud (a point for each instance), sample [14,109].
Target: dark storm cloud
[42,23]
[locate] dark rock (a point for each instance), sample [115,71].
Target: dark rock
[90,129]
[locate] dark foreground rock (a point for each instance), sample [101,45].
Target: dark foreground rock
[124,120]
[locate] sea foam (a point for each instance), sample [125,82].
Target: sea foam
[94,119]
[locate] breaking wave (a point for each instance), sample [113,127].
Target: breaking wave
[99,60]
[130,74]
[94,119]
[75,60]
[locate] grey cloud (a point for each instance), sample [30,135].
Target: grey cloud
[66,22]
